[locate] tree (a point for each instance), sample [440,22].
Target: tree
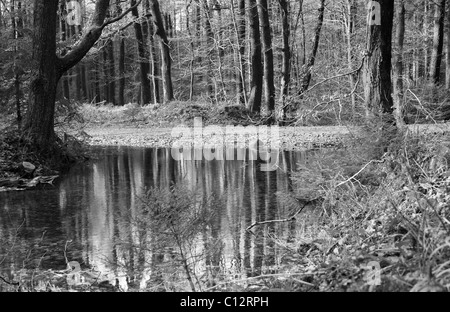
[306,72]
[398,63]
[166,61]
[254,102]
[269,86]
[377,62]
[144,64]
[121,95]
[286,62]
[47,67]
[438,41]
[447,56]
[350,15]
[241,89]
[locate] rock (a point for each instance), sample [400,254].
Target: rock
[28,167]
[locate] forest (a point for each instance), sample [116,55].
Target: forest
[92,92]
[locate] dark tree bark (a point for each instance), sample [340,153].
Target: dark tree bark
[447,56]
[143,58]
[121,95]
[306,71]
[112,73]
[166,61]
[254,101]
[17,32]
[269,85]
[106,76]
[45,75]
[377,63]
[438,41]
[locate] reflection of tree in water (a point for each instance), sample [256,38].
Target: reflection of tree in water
[170,222]
[185,239]
[100,208]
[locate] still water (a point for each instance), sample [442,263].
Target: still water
[89,216]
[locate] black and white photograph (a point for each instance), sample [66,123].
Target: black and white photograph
[224,150]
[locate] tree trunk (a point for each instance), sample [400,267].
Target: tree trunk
[47,67]
[44,78]
[241,89]
[254,102]
[398,64]
[306,72]
[447,56]
[286,61]
[143,58]
[63,37]
[106,76]
[112,73]
[121,94]
[97,91]
[438,42]
[377,63]
[210,44]
[17,32]
[121,97]
[153,55]
[426,40]
[166,61]
[269,86]
[350,25]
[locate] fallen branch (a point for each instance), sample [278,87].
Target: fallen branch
[8,282]
[292,218]
[338,76]
[264,276]
[362,169]
[429,114]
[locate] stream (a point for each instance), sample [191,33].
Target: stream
[91,214]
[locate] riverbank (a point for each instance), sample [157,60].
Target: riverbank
[291,138]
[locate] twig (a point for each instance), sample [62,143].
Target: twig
[264,276]
[425,110]
[8,282]
[278,221]
[338,76]
[362,169]
[113,20]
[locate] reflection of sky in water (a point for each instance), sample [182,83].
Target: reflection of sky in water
[84,209]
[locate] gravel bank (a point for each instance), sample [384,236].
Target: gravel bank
[291,138]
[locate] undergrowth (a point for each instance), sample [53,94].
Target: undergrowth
[161,115]
[389,207]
